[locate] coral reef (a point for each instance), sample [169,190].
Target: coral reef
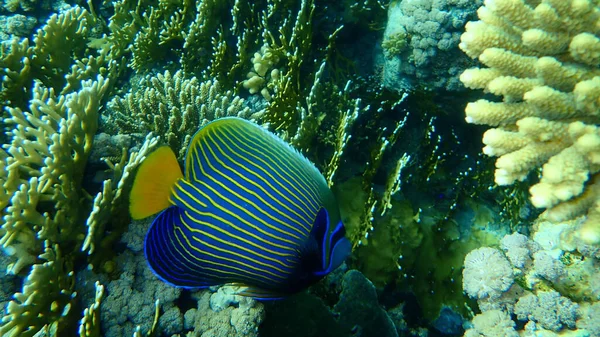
[15,26]
[548,309]
[220,314]
[487,273]
[49,219]
[546,302]
[172,106]
[127,306]
[96,89]
[492,323]
[60,215]
[541,57]
[420,43]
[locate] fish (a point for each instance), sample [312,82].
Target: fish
[248,210]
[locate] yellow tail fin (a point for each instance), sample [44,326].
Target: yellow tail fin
[153,182]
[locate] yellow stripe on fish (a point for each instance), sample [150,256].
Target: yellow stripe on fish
[250,210]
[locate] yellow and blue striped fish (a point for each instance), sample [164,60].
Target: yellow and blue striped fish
[250,211]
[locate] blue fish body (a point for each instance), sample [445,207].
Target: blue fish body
[249,210]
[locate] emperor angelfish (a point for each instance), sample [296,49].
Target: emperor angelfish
[250,211]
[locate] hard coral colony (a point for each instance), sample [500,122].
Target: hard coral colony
[333,169]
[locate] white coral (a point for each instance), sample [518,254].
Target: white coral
[492,323]
[549,309]
[515,246]
[487,273]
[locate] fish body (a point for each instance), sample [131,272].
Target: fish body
[248,210]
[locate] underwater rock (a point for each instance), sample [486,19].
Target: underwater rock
[449,322]
[359,310]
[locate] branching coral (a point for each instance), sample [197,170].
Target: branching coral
[90,323]
[542,57]
[46,298]
[43,191]
[42,179]
[174,107]
[265,74]
[49,139]
[46,158]
[55,48]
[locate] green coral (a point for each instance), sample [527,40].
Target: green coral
[394,44]
[44,204]
[26,5]
[55,48]
[46,299]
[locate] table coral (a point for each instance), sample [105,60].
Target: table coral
[542,58]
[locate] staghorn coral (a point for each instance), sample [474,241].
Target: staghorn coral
[542,58]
